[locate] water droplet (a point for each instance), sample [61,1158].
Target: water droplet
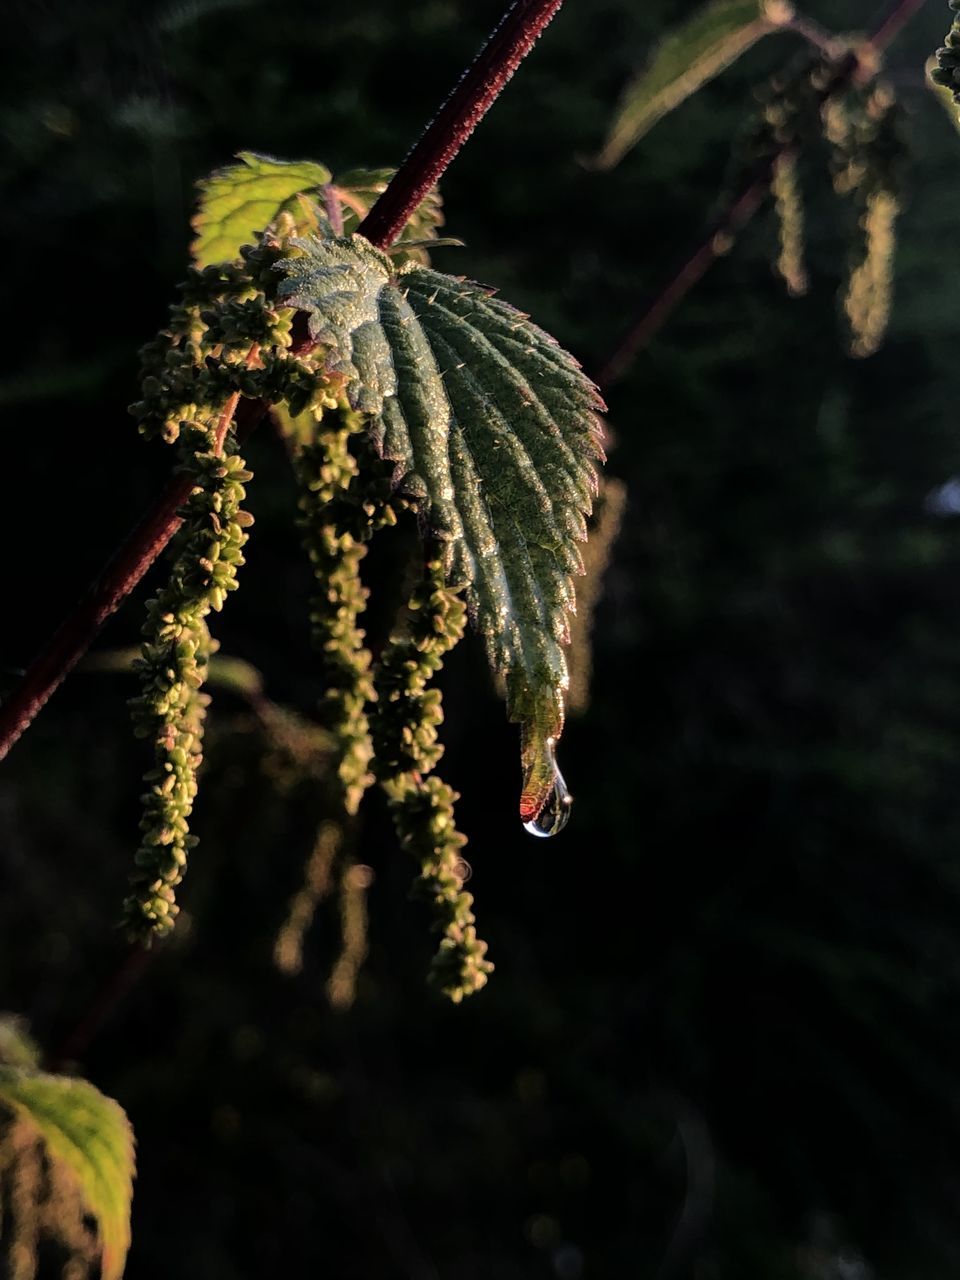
[544,801]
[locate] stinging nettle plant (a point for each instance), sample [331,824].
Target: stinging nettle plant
[404,395]
[401,392]
[398,388]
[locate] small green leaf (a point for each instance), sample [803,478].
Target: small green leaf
[89,1145]
[240,200]
[685,60]
[493,422]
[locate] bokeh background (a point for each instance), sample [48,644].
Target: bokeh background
[723,1034]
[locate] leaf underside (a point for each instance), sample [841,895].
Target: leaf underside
[239,201]
[490,422]
[87,1138]
[684,61]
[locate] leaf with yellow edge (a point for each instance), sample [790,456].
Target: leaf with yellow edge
[238,201]
[88,1143]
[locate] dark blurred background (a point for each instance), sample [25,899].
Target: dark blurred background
[723,1034]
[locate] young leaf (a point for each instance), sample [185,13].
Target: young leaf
[496,427]
[88,1144]
[239,200]
[684,61]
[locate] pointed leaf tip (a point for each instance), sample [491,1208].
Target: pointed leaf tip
[238,201]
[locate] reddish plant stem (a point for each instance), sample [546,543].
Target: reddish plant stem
[443,138]
[107,592]
[695,264]
[460,114]
[690,271]
[108,996]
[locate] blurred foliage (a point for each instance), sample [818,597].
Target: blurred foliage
[66,1177]
[685,59]
[722,1040]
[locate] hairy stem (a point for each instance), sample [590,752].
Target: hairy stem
[463,110]
[811,31]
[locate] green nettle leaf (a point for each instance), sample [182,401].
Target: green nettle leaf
[495,428]
[684,61]
[238,201]
[66,1153]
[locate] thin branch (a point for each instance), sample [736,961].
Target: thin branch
[697,261]
[108,997]
[691,270]
[460,114]
[457,119]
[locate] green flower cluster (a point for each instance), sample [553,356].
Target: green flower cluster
[864,129]
[788,119]
[789,105]
[176,649]
[837,95]
[224,337]
[228,339]
[404,723]
[193,375]
[788,201]
[342,505]
[947,71]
